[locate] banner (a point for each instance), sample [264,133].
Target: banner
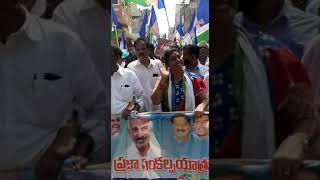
[160,145]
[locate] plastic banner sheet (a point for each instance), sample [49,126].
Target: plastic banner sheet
[160,145]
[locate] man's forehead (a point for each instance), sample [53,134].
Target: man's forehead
[204,45]
[141,44]
[180,120]
[139,122]
[203,118]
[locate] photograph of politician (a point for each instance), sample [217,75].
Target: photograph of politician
[181,127]
[201,126]
[139,130]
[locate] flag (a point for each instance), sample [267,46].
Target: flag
[123,43]
[139,2]
[202,25]
[162,15]
[180,30]
[193,23]
[143,25]
[203,12]
[191,34]
[199,25]
[203,33]
[161,4]
[115,23]
[154,22]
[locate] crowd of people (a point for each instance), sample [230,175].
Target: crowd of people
[265,85]
[177,82]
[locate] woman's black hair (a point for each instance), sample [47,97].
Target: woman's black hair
[167,55]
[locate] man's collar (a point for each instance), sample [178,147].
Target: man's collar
[150,64]
[120,71]
[30,27]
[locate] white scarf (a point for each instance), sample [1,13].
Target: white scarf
[258,131]
[189,96]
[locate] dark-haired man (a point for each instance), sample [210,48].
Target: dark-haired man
[191,62]
[126,90]
[148,72]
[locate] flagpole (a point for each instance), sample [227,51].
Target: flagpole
[117,40]
[165,9]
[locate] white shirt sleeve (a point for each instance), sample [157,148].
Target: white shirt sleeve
[89,93]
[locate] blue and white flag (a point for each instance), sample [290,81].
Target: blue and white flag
[143,25]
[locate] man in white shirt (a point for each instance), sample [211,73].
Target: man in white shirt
[45,71]
[147,71]
[126,91]
[139,130]
[88,19]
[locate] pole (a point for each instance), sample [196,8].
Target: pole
[165,9]
[117,39]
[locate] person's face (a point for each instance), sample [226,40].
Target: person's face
[141,50]
[201,126]
[188,58]
[181,127]
[204,50]
[175,61]
[115,125]
[115,59]
[130,48]
[139,131]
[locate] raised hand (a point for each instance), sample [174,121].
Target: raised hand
[164,72]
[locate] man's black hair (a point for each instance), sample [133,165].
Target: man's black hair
[192,49]
[180,115]
[116,50]
[140,40]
